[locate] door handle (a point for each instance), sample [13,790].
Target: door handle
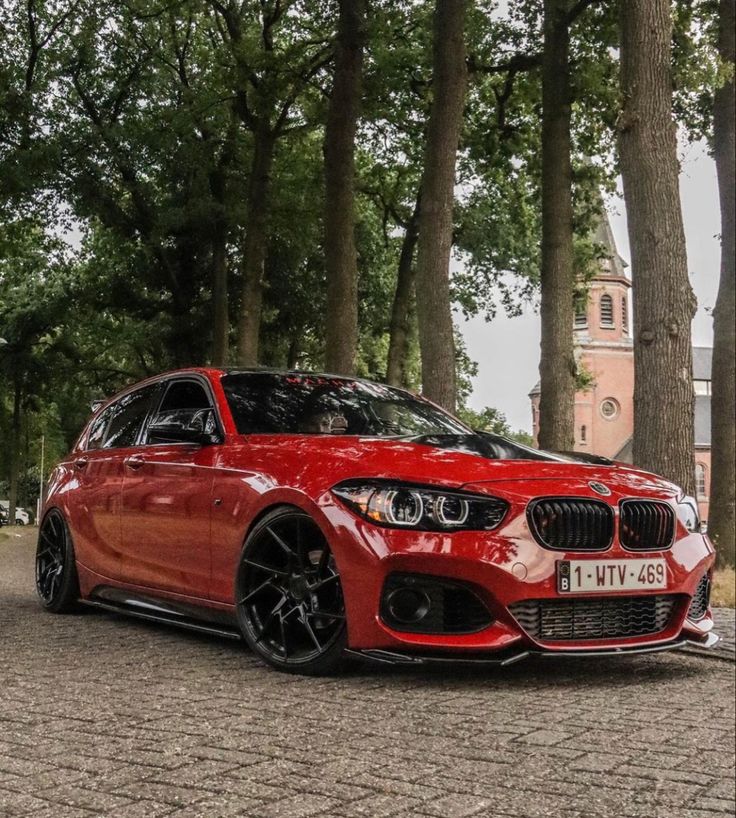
[134,462]
[80,462]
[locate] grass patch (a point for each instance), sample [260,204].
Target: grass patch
[723,593]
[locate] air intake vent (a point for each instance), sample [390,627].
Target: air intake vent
[645,525]
[568,524]
[419,603]
[609,618]
[700,600]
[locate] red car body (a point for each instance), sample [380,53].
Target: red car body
[168,523]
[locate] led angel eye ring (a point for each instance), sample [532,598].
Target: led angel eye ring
[395,519]
[441,510]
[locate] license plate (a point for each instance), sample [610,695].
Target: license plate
[598,576]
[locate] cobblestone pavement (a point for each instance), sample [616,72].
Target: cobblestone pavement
[100,715]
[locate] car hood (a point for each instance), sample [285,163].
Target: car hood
[337,458]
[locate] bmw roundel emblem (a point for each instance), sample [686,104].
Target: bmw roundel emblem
[599,488]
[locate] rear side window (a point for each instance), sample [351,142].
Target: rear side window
[127,417]
[97,431]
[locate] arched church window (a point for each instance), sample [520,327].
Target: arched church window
[583,434]
[606,310]
[624,313]
[700,480]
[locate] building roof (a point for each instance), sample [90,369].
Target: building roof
[702,430]
[626,452]
[702,363]
[702,421]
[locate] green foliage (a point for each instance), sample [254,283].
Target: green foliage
[127,134]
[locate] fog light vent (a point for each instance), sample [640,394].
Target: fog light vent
[700,601]
[417,603]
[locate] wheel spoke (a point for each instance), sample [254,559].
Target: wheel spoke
[324,615]
[324,559]
[282,544]
[270,618]
[45,536]
[267,568]
[312,634]
[323,582]
[266,584]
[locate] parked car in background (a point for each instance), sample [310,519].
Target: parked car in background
[22,516]
[320,517]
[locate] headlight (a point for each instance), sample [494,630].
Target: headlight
[397,505]
[687,511]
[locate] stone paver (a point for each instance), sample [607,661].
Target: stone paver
[105,716]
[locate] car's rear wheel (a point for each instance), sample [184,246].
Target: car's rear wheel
[289,598]
[57,582]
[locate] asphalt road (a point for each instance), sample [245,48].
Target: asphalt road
[100,715]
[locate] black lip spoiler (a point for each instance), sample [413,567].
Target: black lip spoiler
[389,657]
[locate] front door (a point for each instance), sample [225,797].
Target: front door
[166,502]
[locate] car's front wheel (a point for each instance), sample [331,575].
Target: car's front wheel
[57,582]
[289,598]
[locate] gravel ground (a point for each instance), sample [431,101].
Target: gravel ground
[100,715]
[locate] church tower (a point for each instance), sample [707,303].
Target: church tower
[604,348]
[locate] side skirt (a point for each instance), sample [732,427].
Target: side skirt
[166,612]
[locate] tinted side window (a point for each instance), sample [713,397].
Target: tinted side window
[97,432]
[185,395]
[127,418]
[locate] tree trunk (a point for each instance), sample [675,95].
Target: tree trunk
[557,361]
[402,310]
[220,233]
[722,514]
[341,258]
[664,304]
[220,319]
[15,433]
[254,249]
[434,306]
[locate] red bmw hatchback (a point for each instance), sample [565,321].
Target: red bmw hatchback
[321,517]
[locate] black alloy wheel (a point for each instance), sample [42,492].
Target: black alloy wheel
[57,583]
[289,599]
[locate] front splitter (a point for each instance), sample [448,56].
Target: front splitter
[390,657]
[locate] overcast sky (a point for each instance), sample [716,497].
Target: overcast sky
[507,349]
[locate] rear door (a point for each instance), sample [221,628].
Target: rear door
[95,505]
[167,499]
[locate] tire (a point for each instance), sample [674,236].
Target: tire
[289,600]
[57,581]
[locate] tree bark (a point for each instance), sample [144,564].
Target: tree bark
[220,320]
[664,304]
[722,514]
[557,360]
[341,256]
[254,249]
[434,306]
[402,309]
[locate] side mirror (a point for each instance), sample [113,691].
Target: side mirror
[184,426]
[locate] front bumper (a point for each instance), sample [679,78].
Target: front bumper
[503,568]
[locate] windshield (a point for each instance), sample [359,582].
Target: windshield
[271,403]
